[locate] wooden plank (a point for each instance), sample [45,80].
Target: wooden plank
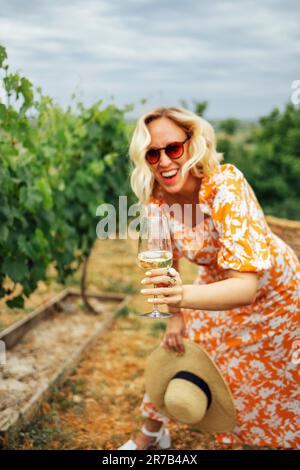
[31,408]
[16,331]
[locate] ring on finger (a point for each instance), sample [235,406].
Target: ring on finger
[172,281]
[171,272]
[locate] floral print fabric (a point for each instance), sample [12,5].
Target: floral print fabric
[253,345]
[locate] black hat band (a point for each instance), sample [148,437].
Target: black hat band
[195,379]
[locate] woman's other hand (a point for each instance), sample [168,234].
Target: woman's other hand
[176,330]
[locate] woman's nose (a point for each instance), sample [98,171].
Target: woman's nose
[164,160]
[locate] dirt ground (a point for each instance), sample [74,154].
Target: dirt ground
[98,407]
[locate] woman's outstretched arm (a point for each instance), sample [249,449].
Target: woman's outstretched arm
[237,290]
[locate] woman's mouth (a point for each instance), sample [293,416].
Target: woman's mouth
[169,176]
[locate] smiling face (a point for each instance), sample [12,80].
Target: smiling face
[164,131]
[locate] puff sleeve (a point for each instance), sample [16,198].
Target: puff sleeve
[244,236]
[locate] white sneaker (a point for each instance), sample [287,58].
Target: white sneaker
[162,440]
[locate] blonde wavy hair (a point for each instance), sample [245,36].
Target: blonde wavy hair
[204,157]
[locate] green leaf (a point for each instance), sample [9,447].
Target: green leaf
[38,273]
[11,83]
[40,237]
[15,269]
[3,55]
[2,292]
[3,233]
[23,244]
[17,302]
[2,111]
[25,89]
[45,191]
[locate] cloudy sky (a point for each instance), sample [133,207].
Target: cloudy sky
[241,56]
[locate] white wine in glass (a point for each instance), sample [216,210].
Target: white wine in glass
[154,249]
[153,259]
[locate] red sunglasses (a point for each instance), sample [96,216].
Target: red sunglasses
[174,150]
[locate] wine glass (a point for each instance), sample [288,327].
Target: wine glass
[154,248]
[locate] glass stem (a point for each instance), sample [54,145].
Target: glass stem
[155,307]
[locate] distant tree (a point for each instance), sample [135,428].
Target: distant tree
[200,107]
[230,125]
[271,161]
[225,146]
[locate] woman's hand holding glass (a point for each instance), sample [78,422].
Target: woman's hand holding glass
[170,292]
[154,248]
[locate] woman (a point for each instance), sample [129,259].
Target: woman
[243,308]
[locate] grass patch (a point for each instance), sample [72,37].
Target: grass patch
[76,386]
[69,397]
[73,280]
[156,328]
[135,325]
[125,311]
[116,285]
[45,428]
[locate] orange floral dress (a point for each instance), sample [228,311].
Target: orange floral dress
[255,346]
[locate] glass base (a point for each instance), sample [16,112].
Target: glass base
[156,314]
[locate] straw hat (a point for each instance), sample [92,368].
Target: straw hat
[189,388]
